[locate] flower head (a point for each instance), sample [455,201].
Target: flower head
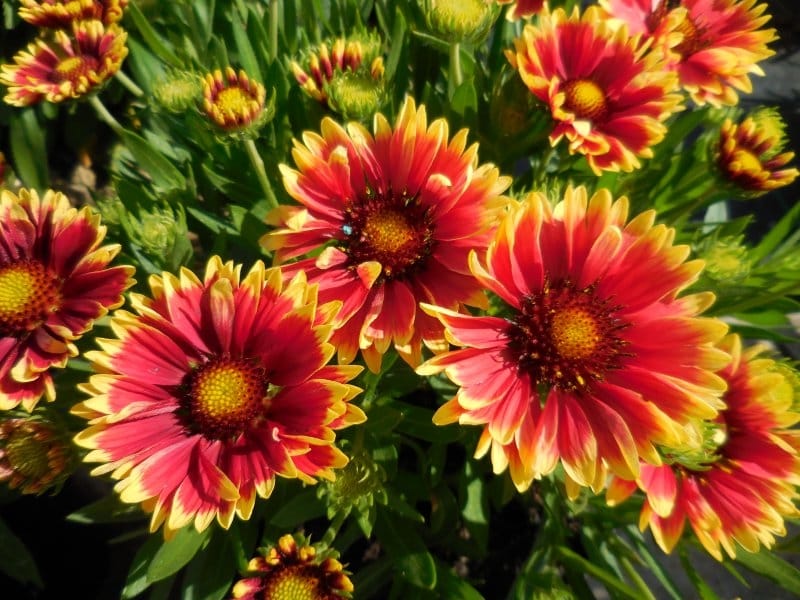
[599,360]
[751,156]
[607,97]
[35,455]
[235,102]
[177,90]
[66,67]
[714,46]
[744,489]
[287,571]
[397,213]
[212,389]
[460,20]
[522,9]
[54,283]
[61,15]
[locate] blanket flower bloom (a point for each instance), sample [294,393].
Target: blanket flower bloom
[213,389]
[395,215]
[234,102]
[522,9]
[748,485]
[66,67]
[55,281]
[713,45]
[607,96]
[54,14]
[600,360]
[287,571]
[751,156]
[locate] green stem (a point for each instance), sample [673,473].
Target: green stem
[129,84]
[261,173]
[104,115]
[334,528]
[274,17]
[456,75]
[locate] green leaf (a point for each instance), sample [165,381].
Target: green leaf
[579,564]
[703,589]
[108,509]
[247,57]
[450,585]
[15,559]
[28,149]
[151,38]
[209,575]
[137,581]
[777,233]
[215,224]
[772,566]
[417,423]
[302,507]
[165,175]
[412,561]
[175,553]
[465,100]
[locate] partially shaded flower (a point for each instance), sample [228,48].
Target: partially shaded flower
[35,454]
[522,9]
[66,67]
[713,45]
[599,361]
[212,390]
[397,214]
[287,571]
[747,487]
[235,102]
[751,156]
[607,96]
[55,281]
[61,15]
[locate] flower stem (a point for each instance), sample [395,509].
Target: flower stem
[128,83]
[104,115]
[456,75]
[261,173]
[274,16]
[334,528]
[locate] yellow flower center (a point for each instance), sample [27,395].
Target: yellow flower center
[28,295]
[574,332]
[746,161]
[26,454]
[234,101]
[224,396]
[298,582]
[73,68]
[388,231]
[585,98]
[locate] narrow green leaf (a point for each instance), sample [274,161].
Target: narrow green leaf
[777,233]
[398,35]
[215,224]
[302,507]
[209,576]
[137,581]
[703,589]
[580,565]
[412,561]
[108,509]
[28,149]
[175,553]
[15,559]
[165,175]
[247,57]
[772,566]
[450,585]
[151,38]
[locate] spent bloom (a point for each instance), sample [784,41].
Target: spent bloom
[212,389]
[234,102]
[288,571]
[747,483]
[607,96]
[61,15]
[395,214]
[599,361]
[55,281]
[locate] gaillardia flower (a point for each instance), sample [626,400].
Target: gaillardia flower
[395,215]
[235,102]
[35,454]
[522,9]
[599,360]
[747,483]
[61,15]
[751,156]
[65,67]
[55,281]
[607,96]
[212,389]
[459,20]
[714,45]
[288,572]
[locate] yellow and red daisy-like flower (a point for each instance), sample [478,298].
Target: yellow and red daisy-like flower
[286,572]
[750,154]
[747,484]
[599,360]
[607,96]
[395,214]
[61,15]
[713,45]
[55,281]
[522,9]
[66,67]
[234,102]
[215,387]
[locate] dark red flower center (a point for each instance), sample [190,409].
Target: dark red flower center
[224,396]
[585,98]
[29,294]
[392,229]
[72,68]
[566,337]
[693,39]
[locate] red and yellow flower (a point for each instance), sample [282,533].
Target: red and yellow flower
[522,9]
[61,15]
[55,281]
[750,154]
[607,96]
[713,45]
[212,389]
[287,571]
[66,67]
[747,483]
[600,361]
[395,215]
[235,102]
